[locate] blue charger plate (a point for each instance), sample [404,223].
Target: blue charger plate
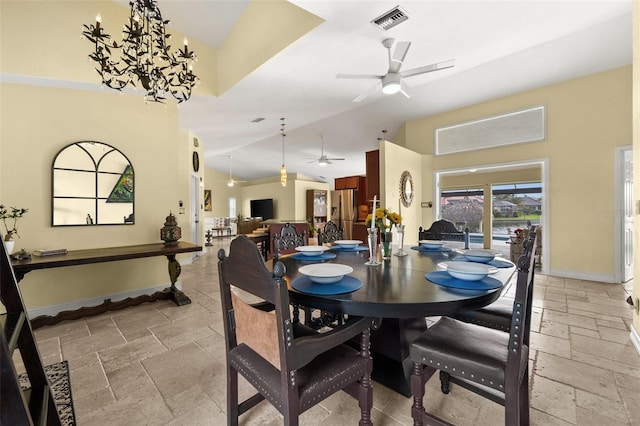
[431,250]
[356,248]
[444,279]
[323,256]
[346,285]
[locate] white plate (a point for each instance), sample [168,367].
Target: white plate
[347,243]
[312,250]
[480,255]
[432,244]
[325,273]
[468,271]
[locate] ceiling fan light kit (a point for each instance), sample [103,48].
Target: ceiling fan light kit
[392,81]
[391,84]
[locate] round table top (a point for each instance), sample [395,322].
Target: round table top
[397,288]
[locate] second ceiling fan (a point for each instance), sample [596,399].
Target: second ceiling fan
[324,160]
[231,182]
[392,81]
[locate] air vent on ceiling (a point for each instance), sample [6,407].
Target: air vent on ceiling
[391,18]
[257,120]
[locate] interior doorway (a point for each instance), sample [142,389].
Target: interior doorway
[194,209]
[624,214]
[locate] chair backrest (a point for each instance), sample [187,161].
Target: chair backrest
[287,239]
[330,233]
[521,316]
[441,230]
[243,323]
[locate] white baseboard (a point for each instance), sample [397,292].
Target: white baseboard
[562,273]
[53,310]
[635,339]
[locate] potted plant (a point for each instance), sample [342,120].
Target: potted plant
[312,228]
[10,214]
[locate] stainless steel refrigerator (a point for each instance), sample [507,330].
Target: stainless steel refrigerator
[344,210]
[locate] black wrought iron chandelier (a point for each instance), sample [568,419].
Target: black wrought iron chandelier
[145,56]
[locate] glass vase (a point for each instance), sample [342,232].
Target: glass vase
[400,231]
[386,238]
[373,247]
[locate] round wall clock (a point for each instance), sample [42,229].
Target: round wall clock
[196,161]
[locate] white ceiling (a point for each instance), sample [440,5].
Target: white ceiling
[500,48]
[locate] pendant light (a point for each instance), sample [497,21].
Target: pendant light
[283,169]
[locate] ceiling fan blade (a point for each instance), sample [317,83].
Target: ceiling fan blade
[367,93]
[360,76]
[402,47]
[335,159]
[428,68]
[403,89]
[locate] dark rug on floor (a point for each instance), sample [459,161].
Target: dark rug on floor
[58,375]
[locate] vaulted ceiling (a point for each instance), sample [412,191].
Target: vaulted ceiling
[500,48]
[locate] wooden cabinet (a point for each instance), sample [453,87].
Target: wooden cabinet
[317,206]
[360,232]
[350,182]
[359,183]
[373,174]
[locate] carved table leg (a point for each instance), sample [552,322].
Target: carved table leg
[178,297]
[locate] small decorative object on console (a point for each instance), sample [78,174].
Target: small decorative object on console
[170,233]
[21,255]
[49,251]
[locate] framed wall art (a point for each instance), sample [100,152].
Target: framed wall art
[207,200]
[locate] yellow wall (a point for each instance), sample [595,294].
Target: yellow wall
[220,193]
[35,123]
[477,180]
[264,29]
[395,160]
[586,119]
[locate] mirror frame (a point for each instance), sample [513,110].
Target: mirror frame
[127,220]
[406,183]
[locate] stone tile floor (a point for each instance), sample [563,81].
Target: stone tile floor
[159,364]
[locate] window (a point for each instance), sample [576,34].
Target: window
[232,207]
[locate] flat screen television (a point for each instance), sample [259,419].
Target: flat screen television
[262,208]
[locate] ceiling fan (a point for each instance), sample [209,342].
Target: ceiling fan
[392,81]
[324,160]
[231,182]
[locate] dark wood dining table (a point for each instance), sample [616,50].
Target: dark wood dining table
[397,292]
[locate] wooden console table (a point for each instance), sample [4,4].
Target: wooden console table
[110,254]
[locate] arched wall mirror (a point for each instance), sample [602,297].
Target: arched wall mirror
[92,184]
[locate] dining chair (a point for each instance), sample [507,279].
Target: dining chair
[488,362]
[290,365]
[287,239]
[498,314]
[330,233]
[441,230]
